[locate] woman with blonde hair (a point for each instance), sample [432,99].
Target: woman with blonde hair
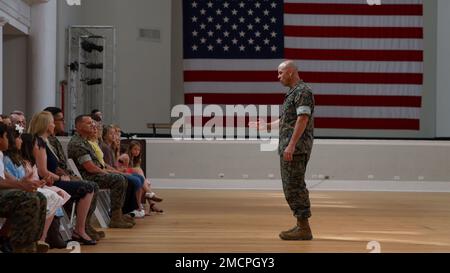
[42,126]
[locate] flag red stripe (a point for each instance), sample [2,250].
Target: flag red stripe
[354,55]
[353,9]
[311,77]
[334,123]
[321,100]
[354,32]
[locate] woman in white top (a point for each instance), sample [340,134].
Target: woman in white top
[15,165]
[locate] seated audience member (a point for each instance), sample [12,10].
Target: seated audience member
[96,115]
[135,160]
[108,140]
[58,117]
[22,205]
[18,117]
[64,169]
[6,120]
[91,169]
[135,182]
[54,238]
[116,147]
[15,169]
[41,127]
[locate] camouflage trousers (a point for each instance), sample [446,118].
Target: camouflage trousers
[294,185]
[26,215]
[116,183]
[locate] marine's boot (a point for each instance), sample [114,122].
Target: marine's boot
[301,232]
[117,220]
[94,234]
[129,219]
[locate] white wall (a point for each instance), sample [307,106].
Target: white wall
[143,68]
[15,52]
[14,75]
[443,70]
[177,93]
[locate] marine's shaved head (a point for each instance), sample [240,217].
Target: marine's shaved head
[288,73]
[289,65]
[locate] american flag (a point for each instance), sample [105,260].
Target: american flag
[364,63]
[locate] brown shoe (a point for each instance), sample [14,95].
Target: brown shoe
[152,197]
[155,208]
[301,232]
[42,247]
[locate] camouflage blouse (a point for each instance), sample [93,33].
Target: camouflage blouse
[80,151]
[299,101]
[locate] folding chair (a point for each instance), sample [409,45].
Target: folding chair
[103,201]
[65,229]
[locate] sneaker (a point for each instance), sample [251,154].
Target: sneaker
[138,213]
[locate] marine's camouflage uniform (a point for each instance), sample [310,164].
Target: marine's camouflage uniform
[26,214]
[80,151]
[299,101]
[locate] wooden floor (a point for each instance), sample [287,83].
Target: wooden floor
[249,221]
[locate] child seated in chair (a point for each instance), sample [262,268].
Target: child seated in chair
[131,162]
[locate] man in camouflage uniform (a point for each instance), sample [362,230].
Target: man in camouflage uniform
[58,117]
[25,212]
[91,169]
[24,208]
[296,142]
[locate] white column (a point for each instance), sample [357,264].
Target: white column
[3,21]
[42,57]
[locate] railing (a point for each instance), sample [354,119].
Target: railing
[157,126]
